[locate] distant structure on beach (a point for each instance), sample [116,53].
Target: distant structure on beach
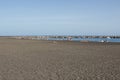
[69,38]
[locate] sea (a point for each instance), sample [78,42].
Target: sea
[90,39]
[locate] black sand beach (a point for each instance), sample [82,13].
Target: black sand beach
[58,60]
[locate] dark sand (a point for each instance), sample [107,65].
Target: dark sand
[60,60]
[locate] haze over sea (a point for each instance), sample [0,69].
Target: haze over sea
[90,39]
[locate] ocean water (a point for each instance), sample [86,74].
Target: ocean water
[90,39]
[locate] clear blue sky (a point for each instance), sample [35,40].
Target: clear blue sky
[60,17]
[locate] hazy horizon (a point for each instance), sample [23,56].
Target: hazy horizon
[61,17]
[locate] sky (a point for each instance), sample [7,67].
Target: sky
[59,17]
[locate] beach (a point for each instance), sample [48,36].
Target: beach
[58,60]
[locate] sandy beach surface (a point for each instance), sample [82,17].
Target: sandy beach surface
[58,60]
